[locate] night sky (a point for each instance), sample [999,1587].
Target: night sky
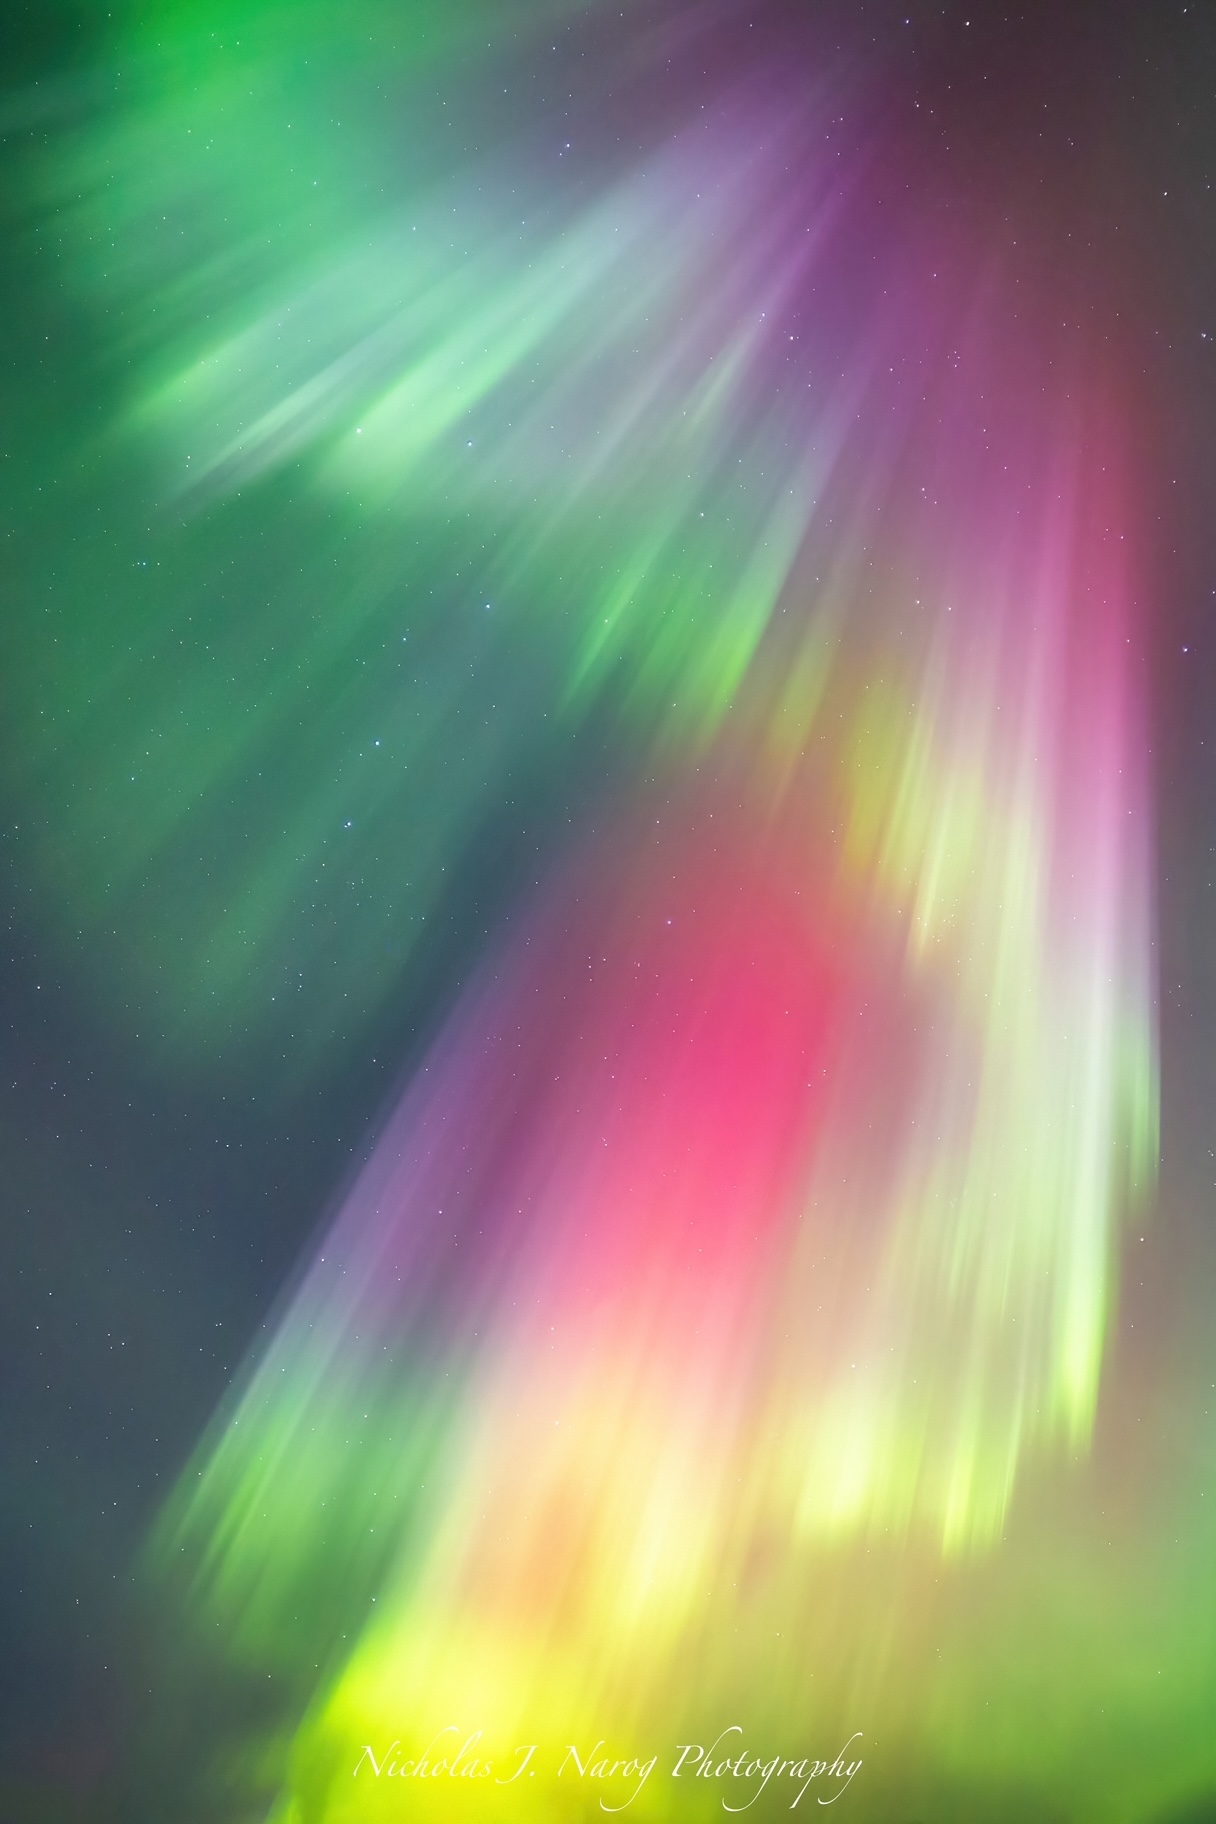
[445,449]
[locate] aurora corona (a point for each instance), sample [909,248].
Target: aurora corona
[759,1202]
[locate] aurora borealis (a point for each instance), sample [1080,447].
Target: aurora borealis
[607,821]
